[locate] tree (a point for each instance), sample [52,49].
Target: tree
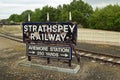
[64,13]
[80,11]
[24,15]
[36,16]
[106,18]
[4,21]
[15,18]
[52,13]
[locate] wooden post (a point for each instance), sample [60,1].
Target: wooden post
[69,63]
[78,58]
[58,59]
[48,60]
[29,58]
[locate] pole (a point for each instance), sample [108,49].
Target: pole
[28,17]
[48,59]
[29,58]
[70,16]
[47,16]
[69,63]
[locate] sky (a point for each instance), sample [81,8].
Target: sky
[8,7]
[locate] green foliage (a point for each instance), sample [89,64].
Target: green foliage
[36,16]
[106,18]
[4,21]
[24,15]
[80,13]
[15,18]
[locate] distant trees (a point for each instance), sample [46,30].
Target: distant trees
[15,18]
[24,15]
[107,18]
[36,15]
[80,13]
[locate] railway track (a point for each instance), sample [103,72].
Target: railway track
[81,53]
[99,56]
[14,38]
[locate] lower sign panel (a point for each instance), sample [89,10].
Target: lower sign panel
[59,52]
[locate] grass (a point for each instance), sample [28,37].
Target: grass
[95,71]
[11,29]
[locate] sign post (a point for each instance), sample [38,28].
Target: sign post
[48,59]
[38,35]
[29,57]
[59,35]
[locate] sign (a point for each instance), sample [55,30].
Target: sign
[50,32]
[59,52]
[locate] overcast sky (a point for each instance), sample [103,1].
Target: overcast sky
[8,7]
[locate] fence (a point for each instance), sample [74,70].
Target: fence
[98,36]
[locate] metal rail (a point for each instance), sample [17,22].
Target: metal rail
[99,56]
[11,37]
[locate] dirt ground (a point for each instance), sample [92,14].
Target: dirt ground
[12,52]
